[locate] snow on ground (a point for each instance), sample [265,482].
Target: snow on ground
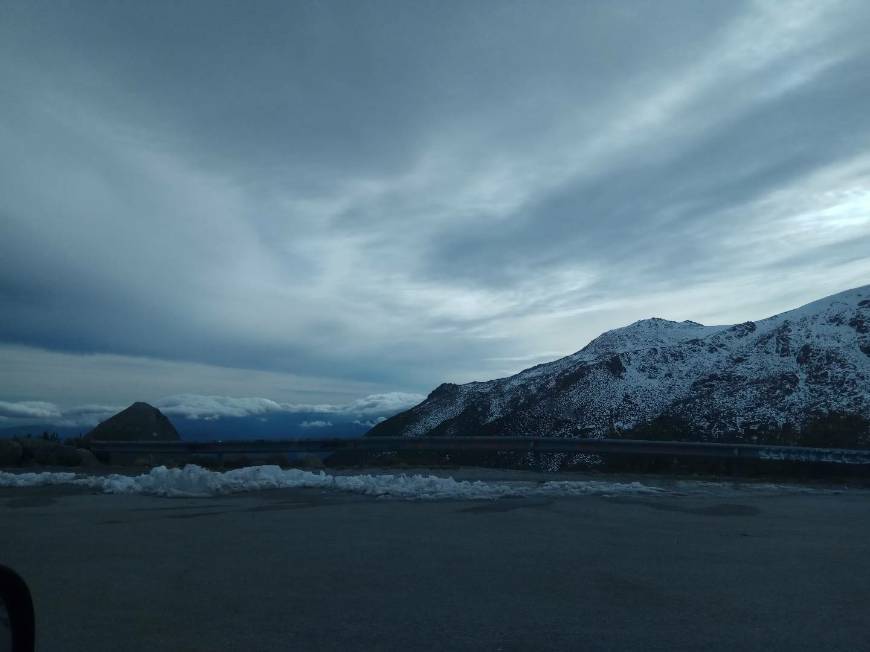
[35,479]
[195,481]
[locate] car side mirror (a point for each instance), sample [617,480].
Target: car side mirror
[17,622]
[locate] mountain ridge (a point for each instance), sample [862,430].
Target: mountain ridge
[775,372]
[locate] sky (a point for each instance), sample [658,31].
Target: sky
[328,203]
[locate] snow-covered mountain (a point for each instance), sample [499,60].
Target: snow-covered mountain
[811,361]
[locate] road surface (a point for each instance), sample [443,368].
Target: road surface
[305,569]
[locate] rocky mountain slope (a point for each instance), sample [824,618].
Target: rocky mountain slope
[774,373]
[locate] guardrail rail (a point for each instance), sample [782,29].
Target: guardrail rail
[676,449]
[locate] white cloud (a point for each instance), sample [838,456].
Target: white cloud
[26,413]
[211,407]
[87,415]
[29,410]
[194,406]
[373,404]
[371,423]
[315,424]
[381,403]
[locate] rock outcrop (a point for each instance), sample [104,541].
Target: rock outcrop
[139,422]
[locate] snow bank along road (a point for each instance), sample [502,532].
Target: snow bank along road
[195,481]
[323,562]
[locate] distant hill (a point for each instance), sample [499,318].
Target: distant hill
[676,379]
[138,422]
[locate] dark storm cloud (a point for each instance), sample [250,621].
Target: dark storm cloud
[343,85]
[393,194]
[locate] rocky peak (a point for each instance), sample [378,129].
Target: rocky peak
[715,379]
[139,422]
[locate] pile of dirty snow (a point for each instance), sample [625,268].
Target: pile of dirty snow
[195,481]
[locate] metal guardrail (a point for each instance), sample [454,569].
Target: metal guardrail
[515,444]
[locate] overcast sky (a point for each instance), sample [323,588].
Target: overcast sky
[321,201]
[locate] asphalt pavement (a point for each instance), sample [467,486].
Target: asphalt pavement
[315,570]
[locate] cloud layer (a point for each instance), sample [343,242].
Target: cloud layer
[194,406]
[364,412]
[338,202]
[28,410]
